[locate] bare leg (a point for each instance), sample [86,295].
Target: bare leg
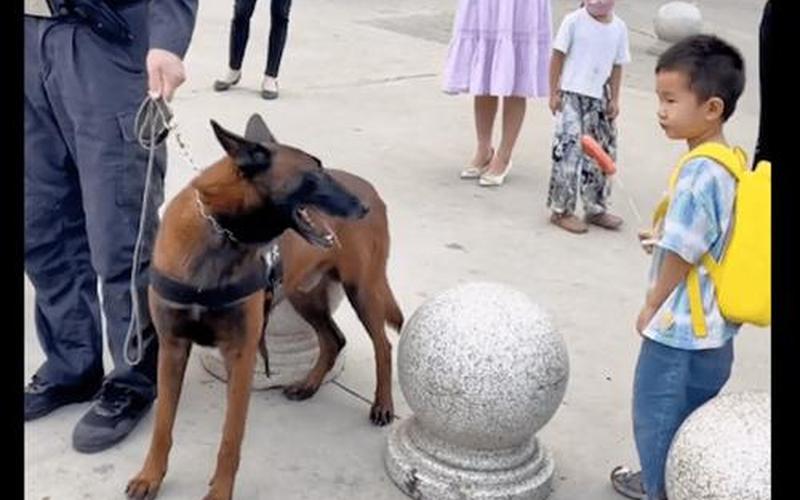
[485,112]
[513,116]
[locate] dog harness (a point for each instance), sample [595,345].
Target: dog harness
[266,276]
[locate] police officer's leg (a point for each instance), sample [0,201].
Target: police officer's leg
[67,313]
[112,167]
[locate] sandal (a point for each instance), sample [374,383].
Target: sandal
[605,220]
[628,483]
[569,223]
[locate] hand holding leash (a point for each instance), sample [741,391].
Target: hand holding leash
[165,73]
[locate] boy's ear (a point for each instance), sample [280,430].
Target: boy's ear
[715,106]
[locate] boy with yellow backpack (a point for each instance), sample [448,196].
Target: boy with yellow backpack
[711,256]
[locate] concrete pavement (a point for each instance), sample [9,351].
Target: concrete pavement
[360,90]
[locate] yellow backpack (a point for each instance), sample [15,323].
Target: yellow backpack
[743,276]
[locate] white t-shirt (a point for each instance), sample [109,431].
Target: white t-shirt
[592,49]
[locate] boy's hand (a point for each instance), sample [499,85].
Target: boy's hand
[648,240]
[613,109]
[555,102]
[645,316]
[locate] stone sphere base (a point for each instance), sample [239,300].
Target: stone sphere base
[292,346]
[427,468]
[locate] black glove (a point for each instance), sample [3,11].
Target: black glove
[102,19]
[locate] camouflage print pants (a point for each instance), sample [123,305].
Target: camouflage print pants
[573,171]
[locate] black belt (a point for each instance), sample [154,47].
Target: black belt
[265,276]
[98,14]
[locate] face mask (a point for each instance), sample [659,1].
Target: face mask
[599,8]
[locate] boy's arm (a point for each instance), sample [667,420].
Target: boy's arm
[673,271]
[691,227]
[616,83]
[556,66]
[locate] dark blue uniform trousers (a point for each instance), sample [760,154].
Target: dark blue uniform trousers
[84,181]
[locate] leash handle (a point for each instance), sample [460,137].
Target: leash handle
[154,117]
[153,123]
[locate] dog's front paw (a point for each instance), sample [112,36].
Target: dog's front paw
[381,413]
[300,391]
[144,486]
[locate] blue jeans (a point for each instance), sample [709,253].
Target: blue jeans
[668,386]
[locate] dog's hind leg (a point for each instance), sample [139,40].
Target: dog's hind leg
[173,354]
[369,305]
[239,352]
[314,307]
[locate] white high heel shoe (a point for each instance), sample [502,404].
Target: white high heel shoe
[473,172]
[489,180]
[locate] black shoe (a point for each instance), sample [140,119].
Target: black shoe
[114,414]
[42,397]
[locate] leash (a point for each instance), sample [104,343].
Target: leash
[152,125]
[616,180]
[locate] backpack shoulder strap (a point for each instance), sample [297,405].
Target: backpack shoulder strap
[734,161]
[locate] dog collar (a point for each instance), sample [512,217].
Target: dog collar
[265,276]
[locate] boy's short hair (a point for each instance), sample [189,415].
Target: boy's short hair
[714,67]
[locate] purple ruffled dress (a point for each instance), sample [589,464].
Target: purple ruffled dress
[500,48]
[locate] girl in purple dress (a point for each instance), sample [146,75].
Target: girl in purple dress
[500,48]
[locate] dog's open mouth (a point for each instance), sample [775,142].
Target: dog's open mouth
[311,230]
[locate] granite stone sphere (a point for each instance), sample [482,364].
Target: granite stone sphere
[482,366]
[722,451]
[677,20]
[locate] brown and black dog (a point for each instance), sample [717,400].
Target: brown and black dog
[212,238]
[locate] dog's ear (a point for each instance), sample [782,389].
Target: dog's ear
[251,157]
[257,130]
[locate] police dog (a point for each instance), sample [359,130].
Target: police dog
[211,243]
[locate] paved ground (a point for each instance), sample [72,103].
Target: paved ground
[360,89]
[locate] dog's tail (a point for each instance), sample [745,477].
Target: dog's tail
[394,316]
